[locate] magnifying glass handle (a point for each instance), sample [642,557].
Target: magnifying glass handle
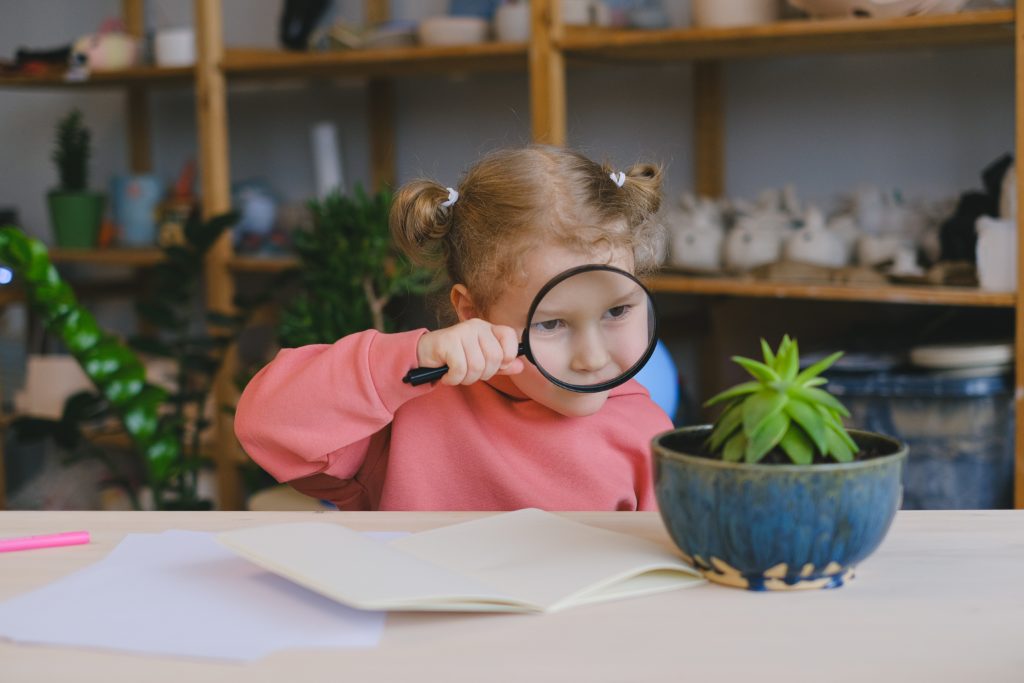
[420,376]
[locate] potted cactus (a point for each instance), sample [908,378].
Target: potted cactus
[75,212]
[778,494]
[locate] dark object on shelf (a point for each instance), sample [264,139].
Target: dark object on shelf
[57,56]
[959,427]
[298,19]
[9,216]
[958,237]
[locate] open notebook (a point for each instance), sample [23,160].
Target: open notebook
[523,561]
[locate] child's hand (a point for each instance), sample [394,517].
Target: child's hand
[473,350]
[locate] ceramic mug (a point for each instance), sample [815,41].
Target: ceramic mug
[175,47]
[512,22]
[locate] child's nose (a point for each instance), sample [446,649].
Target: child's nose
[590,353]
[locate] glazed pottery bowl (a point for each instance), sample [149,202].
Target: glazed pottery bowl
[771,526]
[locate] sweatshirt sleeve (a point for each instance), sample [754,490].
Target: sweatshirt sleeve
[312,409]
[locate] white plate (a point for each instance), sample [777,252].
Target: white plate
[962,355]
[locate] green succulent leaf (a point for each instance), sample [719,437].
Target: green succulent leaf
[817,396]
[727,424]
[798,447]
[734,392]
[760,408]
[812,422]
[837,447]
[818,368]
[760,371]
[735,448]
[767,437]
[769,356]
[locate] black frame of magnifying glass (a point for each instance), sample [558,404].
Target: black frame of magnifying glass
[589,388]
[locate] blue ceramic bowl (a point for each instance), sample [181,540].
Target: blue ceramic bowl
[776,527]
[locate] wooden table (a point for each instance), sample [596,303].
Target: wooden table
[942,600]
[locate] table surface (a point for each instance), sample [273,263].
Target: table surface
[941,600]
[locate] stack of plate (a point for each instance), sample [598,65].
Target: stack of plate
[975,360]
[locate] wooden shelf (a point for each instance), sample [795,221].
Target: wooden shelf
[262,264]
[241,62]
[983,27]
[142,75]
[893,294]
[113,256]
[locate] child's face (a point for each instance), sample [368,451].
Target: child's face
[513,306]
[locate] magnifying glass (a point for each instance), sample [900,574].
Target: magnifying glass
[589,329]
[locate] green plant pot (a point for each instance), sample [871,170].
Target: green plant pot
[776,527]
[76,218]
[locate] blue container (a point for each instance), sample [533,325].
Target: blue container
[959,430]
[135,200]
[775,527]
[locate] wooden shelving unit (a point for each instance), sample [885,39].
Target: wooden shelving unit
[890,294]
[544,59]
[146,76]
[984,27]
[404,61]
[136,258]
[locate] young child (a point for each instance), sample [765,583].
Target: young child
[337,422]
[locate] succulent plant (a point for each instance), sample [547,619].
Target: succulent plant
[783,408]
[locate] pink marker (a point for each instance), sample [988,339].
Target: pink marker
[45,541]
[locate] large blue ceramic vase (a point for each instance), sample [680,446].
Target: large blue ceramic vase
[776,527]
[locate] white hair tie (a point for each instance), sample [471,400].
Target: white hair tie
[618,178]
[453,196]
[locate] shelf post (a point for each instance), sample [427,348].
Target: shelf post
[1018,337]
[381,106]
[547,73]
[709,130]
[211,116]
[139,142]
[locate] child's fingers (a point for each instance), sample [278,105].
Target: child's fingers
[493,355]
[475,362]
[455,359]
[509,340]
[513,368]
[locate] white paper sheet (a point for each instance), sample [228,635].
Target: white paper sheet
[182,593]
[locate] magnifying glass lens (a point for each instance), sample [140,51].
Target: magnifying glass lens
[592,330]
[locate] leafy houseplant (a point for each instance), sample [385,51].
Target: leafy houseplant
[349,271]
[778,494]
[164,426]
[75,212]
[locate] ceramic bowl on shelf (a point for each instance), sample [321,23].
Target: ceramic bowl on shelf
[442,31]
[879,9]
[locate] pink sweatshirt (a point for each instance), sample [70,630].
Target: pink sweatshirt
[339,418]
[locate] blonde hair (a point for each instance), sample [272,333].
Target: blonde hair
[513,199]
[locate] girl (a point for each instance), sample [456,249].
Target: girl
[337,422]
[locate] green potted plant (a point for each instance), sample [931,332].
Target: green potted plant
[76,213]
[165,426]
[777,494]
[349,271]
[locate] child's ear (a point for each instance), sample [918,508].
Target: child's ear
[463,304]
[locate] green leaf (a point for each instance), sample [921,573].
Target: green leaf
[769,357]
[816,382]
[818,368]
[797,446]
[760,371]
[837,447]
[767,438]
[738,390]
[83,406]
[836,425]
[760,408]
[817,396]
[812,422]
[789,361]
[727,424]
[735,448]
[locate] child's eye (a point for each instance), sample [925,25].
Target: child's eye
[549,325]
[617,312]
